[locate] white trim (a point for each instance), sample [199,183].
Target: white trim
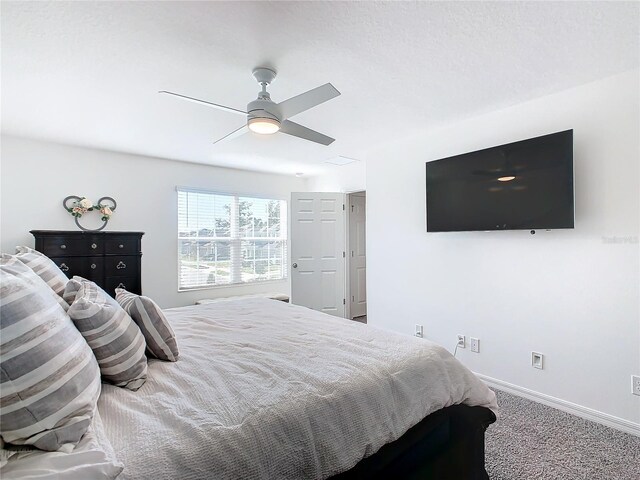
[572,408]
[230,193]
[347,257]
[234,285]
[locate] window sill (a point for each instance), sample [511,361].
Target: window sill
[232,285]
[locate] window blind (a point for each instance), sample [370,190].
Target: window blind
[230,239]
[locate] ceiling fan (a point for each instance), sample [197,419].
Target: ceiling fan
[264,116]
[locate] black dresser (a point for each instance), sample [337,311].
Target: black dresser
[111,259]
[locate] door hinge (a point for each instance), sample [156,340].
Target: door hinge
[343,255]
[352,208]
[343,207]
[344,301]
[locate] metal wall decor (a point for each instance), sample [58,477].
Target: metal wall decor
[78,206]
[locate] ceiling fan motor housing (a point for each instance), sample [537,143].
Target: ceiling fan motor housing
[262,108]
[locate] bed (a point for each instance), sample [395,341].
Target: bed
[268,390]
[259,389]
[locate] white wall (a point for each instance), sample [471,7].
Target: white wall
[573,295]
[37,176]
[345,178]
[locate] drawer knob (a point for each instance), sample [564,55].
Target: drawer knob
[121,246]
[121,265]
[93,266]
[63,246]
[94,246]
[63,267]
[121,285]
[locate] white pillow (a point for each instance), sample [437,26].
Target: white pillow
[92,458]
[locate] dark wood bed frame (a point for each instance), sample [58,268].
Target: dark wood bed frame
[448,444]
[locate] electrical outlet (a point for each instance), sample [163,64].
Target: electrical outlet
[635,384]
[536,360]
[419,331]
[475,345]
[462,341]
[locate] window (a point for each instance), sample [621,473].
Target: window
[229,239]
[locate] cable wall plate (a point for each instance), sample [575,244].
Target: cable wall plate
[537,360]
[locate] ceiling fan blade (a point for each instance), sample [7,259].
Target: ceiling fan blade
[236,133]
[307,100]
[203,102]
[291,128]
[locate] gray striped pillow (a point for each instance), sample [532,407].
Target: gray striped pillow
[161,341]
[72,287]
[49,378]
[115,339]
[44,267]
[14,265]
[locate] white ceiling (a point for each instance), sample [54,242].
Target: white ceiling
[87,73]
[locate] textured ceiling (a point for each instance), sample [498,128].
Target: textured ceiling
[87,73]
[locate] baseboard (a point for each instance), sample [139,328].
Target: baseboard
[572,408]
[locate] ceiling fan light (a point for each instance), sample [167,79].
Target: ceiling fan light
[506,178]
[264,126]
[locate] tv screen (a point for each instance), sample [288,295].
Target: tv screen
[524,185]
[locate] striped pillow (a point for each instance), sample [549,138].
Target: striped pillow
[13,265]
[72,287]
[115,339]
[44,267]
[49,378]
[161,341]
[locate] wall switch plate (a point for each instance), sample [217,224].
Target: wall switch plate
[475,345]
[536,360]
[635,384]
[462,341]
[418,332]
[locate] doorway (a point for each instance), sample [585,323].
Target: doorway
[318,251]
[357,257]
[328,253]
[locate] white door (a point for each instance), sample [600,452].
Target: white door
[317,251]
[357,255]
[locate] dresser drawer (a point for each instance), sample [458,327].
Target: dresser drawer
[91,268]
[79,245]
[125,245]
[94,269]
[130,284]
[71,265]
[120,266]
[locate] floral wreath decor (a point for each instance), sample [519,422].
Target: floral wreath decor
[81,205]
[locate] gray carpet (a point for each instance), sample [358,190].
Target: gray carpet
[532,441]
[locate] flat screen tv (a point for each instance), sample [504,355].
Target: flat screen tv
[525,185]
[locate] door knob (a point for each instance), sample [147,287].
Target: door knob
[295,265]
